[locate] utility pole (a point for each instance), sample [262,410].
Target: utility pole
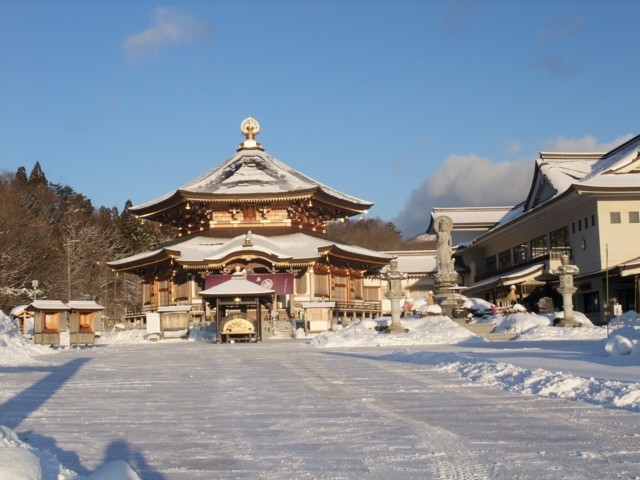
[68,244]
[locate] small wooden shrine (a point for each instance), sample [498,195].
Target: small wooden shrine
[84,322]
[254,213]
[49,319]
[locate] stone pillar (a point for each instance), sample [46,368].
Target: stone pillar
[565,274]
[394,294]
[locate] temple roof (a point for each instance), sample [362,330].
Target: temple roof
[251,174]
[291,249]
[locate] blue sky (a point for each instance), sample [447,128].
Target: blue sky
[407,104]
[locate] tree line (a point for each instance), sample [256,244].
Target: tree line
[55,244]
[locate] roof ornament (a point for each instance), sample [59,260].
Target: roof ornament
[250,128]
[247,240]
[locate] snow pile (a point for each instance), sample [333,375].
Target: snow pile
[420,331]
[534,327]
[542,382]
[15,348]
[623,341]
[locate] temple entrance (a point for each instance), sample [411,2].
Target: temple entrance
[239,305]
[237,327]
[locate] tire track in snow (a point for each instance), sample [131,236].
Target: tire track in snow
[582,422]
[448,456]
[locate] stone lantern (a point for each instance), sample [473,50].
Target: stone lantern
[566,288]
[394,294]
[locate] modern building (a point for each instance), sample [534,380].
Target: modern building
[584,205]
[253,213]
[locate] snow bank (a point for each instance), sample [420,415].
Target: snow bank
[541,382]
[15,348]
[420,331]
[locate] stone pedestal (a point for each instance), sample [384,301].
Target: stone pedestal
[565,274]
[445,288]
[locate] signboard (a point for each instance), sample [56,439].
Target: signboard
[281,283]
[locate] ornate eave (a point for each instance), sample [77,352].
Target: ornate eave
[251,179]
[282,252]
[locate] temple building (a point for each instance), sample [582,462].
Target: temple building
[256,215]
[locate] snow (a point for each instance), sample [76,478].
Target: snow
[590,365]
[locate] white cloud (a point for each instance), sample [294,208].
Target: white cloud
[472,180]
[587,143]
[465,180]
[168,27]
[513,148]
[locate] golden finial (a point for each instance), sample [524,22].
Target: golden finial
[250,128]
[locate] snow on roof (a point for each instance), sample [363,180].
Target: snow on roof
[472,215]
[47,305]
[619,158]
[561,174]
[252,172]
[255,243]
[236,285]
[526,274]
[286,247]
[84,305]
[18,310]
[175,308]
[132,258]
[416,264]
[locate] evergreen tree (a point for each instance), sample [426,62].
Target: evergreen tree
[37,176]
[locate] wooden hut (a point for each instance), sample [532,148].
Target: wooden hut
[22,314]
[84,322]
[49,319]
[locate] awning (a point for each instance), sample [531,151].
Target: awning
[632,267]
[525,275]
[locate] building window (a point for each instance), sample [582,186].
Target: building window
[520,253]
[340,288]
[593,220]
[371,294]
[579,225]
[634,217]
[591,302]
[300,285]
[559,239]
[539,246]
[181,290]
[321,281]
[357,285]
[615,217]
[491,264]
[504,259]
[586,222]
[51,322]
[573,227]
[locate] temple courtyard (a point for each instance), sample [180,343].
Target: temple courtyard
[288,409]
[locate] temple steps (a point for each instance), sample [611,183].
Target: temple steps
[486,330]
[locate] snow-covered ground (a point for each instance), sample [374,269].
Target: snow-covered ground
[591,366]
